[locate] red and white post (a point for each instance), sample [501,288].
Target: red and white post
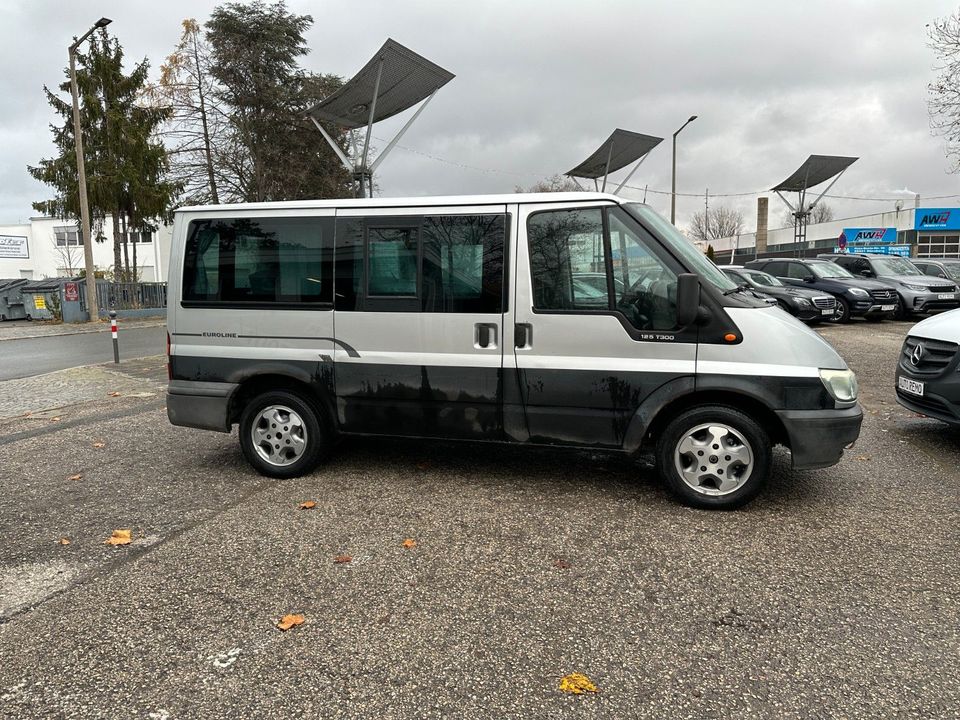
[113,332]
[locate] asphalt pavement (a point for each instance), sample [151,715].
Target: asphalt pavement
[20,358]
[835,594]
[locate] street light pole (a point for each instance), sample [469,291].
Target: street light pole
[673,181]
[91,280]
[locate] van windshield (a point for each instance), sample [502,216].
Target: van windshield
[680,245]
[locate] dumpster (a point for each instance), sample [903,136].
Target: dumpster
[11,299]
[42,299]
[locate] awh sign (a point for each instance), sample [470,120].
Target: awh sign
[936,219]
[856,236]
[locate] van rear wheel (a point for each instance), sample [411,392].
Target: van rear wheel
[714,457]
[281,435]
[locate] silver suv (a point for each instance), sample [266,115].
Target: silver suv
[918,293]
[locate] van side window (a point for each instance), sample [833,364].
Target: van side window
[244,261]
[645,288]
[463,263]
[437,263]
[568,260]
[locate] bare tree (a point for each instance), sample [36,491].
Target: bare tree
[943,102]
[71,257]
[719,223]
[821,213]
[554,183]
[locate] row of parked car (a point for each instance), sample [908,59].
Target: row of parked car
[838,287]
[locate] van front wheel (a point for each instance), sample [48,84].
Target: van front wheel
[714,457]
[281,435]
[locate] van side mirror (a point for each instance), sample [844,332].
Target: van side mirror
[688,298]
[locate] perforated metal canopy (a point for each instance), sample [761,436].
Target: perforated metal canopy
[815,170]
[617,151]
[406,78]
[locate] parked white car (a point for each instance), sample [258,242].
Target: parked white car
[928,371]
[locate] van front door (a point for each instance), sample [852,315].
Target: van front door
[419,321]
[594,316]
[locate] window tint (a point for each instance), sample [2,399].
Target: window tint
[392,261]
[258,260]
[777,269]
[441,263]
[463,263]
[566,246]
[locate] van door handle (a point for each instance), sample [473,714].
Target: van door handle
[485,336]
[523,335]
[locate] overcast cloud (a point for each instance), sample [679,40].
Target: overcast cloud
[540,84]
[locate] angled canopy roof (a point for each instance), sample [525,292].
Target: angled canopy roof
[627,146]
[406,79]
[816,169]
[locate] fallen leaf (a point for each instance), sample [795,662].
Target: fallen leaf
[289,621]
[577,683]
[863,458]
[308,505]
[64,541]
[425,465]
[341,559]
[55,419]
[561,564]
[409,543]
[119,537]
[99,445]
[114,394]
[78,476]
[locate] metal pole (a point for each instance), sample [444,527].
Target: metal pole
[673,174]
[373,110]
[113,333]
[91,279]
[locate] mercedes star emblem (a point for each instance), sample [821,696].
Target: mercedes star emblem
[917,355]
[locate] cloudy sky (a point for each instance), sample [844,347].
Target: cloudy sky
[541,83]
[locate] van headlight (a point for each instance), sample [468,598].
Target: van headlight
[841,384]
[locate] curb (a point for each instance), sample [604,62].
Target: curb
[158,323]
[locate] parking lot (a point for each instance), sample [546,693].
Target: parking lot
[835,594]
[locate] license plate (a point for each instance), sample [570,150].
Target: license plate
[887,308]
[910,386]
[827,312]
[945,296]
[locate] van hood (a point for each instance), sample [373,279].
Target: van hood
[774,344]
[945,326]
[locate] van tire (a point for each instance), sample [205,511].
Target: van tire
[736,428]
[304,422]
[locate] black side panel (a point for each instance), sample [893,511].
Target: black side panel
[777,393]
[421,401]
[585,407]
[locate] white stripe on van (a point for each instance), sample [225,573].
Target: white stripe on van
[714,367]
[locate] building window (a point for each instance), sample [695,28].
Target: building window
[140,237]
[68,236]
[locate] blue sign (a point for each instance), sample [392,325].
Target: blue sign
[936,219]
[902,250]
[870,235]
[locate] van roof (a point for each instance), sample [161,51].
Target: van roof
[388,202]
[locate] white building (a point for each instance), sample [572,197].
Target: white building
[48,247]
[930,232]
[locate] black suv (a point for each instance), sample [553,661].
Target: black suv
[855,296]
[916,292]
[806,305]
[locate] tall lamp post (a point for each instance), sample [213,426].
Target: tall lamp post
[91,279]
[673,182]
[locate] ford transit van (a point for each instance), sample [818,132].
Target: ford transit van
[567,319]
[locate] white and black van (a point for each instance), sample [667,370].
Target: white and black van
[567,319]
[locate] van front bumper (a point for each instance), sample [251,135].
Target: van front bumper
[819,437]
[202,405]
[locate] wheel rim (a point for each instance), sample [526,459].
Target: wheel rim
[279,435]
[714,459]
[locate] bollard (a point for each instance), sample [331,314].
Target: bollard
[113,332]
